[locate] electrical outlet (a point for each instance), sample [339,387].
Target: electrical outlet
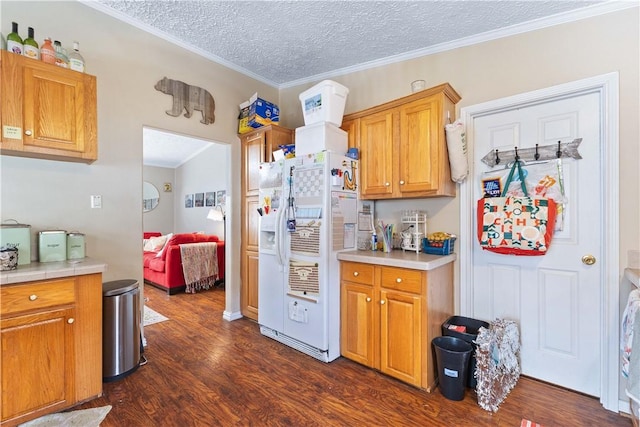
[96,202]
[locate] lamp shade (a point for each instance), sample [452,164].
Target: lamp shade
[216,214]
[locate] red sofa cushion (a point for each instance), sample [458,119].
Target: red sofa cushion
[150,234]
[156,264]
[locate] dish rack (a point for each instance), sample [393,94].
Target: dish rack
[419,221]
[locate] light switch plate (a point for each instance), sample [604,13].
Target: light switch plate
[96,202]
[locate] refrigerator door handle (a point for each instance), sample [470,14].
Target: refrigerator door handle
[278,237]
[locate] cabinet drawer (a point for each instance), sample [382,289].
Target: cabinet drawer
[401,279]
[18,298]
[357,272]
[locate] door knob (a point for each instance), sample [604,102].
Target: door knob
[589,259]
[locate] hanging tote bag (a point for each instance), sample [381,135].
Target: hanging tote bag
[516,225]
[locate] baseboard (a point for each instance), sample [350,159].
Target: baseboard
[231,315]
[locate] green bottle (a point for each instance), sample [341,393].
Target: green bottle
[31,46]
[14,42]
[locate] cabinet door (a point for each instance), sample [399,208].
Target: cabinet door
[400,336]
[352,127]
[252,155]
[43,381]
[419,146]
[249,248]
[376,155]
[357,335]
[249,297]
[52,110]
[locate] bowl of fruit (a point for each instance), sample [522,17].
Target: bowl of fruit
[438,243]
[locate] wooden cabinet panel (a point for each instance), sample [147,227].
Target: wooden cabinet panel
[51,345]
[250,295]
[257,147]
[376,149]
[403,151]
[357,273]
[38,364]
[47,111]
[357,323]
[390,316]
[401,336]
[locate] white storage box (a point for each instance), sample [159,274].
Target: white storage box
[18,236]
[320,137]
[324,102]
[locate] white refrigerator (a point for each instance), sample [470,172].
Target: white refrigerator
[309,209]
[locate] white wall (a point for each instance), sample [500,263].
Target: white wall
[204,173]
[161,218]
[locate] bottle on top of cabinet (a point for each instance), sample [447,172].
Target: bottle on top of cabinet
[62,60]
[76,61]
[31,46]
[47,52]
[14,41]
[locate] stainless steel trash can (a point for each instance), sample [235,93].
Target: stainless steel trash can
[120,329]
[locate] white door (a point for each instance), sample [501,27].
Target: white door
[556,298]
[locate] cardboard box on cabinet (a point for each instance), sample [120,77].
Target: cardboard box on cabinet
[257,112]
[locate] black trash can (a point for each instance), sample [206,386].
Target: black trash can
[452,360]
[472,326]
[120,329]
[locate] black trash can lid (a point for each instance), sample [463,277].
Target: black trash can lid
[117,287]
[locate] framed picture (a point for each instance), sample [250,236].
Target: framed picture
[188,201]
[221,198]
[210,198]
[199,200]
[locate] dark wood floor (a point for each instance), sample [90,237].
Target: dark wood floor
[204,371]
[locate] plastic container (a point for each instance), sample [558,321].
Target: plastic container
[470,333]
[319,137]
[445,249]
[452,359]
[324,102]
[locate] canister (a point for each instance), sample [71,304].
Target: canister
[75,245]
[52,245]
[19,236]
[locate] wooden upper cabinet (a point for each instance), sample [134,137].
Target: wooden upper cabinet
[47,111]
[257,147]
[403,150]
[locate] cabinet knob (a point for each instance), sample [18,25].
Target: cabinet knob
[386,184]
[401,182]
[368,299]
[33,297]
[398,280]
[71,320]
[28,132]
[355,273]
[382,301]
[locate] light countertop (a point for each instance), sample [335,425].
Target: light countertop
[398,258]
[51,270]
[633,274]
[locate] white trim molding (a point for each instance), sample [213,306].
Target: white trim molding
[607,86]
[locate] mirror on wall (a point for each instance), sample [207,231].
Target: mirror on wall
[150,196]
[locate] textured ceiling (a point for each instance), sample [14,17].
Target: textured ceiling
[289,42]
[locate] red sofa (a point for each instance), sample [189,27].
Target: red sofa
[165,272]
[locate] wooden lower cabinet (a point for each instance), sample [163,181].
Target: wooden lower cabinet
[389,316]
[51,346]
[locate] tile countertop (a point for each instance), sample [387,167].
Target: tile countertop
[398,258]
[51,270]
[633,274]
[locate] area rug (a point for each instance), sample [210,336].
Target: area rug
[81,418]
[151,316]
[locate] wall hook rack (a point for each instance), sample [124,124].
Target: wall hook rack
[540,152]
